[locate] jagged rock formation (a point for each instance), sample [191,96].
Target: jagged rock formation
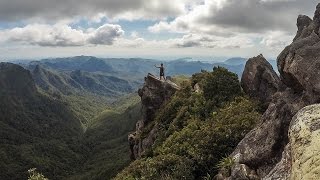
[300,159]
[268,151]
[259,80]
[153,95]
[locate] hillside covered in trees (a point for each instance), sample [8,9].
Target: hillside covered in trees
[44,130]
[194,131]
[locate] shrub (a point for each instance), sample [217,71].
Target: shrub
[221,86]
[226,163]
[169,166]
[206,142]
[34,175]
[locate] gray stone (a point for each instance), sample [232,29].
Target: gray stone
[154,94]
[259,80]
[268,149]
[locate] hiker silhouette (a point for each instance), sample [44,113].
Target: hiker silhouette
[161,71]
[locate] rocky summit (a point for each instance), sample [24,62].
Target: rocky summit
[284,144]
[154,94]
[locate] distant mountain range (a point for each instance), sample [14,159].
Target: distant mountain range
[82,80]
[135,68]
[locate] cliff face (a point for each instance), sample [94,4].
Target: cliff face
[154,94]
[283,146]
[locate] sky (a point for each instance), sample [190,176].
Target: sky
[160,29]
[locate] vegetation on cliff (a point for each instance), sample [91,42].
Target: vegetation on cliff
[196,129]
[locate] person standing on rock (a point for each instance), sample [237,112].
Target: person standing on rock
[161,71]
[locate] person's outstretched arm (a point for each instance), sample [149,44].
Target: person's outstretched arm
[156,66]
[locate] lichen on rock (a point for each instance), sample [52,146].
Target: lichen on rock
[304,135]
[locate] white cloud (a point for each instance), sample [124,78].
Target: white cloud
[225,17]
[105,34]
[220,26]
[276,39]
[201,41]
[61,35]
[211,41]
[48,10]
[231,24]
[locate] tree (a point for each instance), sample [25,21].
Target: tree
[221,86]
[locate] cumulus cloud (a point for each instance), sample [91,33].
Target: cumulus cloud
[237,24]
[105,34]
[61,35]
[211,41]
[225,25]
[187,41]
[234,16]
[276,39]
[12,10]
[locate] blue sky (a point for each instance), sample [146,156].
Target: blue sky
[203,29]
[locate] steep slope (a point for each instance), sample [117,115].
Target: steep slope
[77,81]
[52,82]
[101,84]
[86,93]
[36,131]
[106,139]
[184,133]
[85,63]
[39,131]
[154,94]
[273,150]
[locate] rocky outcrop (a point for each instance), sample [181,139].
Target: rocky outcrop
[299,63]
[154,94]
[304,135]
[274,149]
[301,158]
[259,80]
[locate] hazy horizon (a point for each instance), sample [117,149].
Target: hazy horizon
[164,59]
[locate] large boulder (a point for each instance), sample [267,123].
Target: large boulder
[268,149]
[154,94]
[259,80]
[304,135]
[299,63]
[301,158]
[262,147]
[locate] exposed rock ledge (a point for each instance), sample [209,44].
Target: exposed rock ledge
[154,94]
